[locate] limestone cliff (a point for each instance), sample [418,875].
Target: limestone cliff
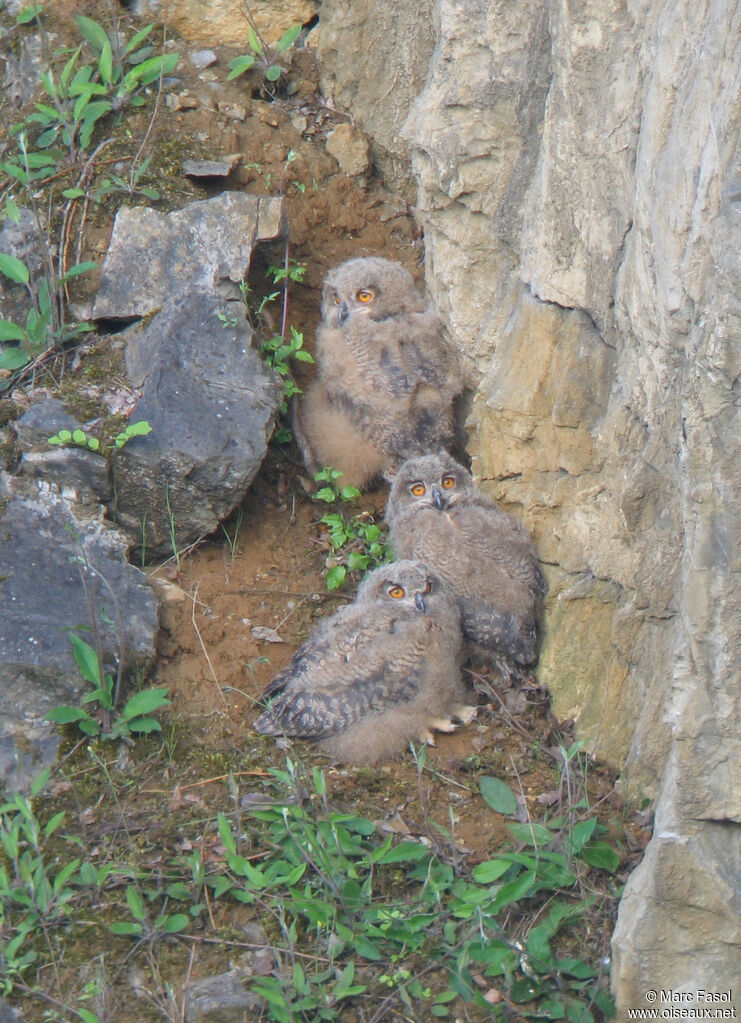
[577,173]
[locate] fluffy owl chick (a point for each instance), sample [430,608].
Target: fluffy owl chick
[485,556]
[378,674]
[386,375]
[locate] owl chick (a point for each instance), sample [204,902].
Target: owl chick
[485,556]
[386,375]
[378,674]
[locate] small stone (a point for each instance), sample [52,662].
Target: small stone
[183,101]
[210,168]
[203,58]
[350,149]
[234,111]
[265,635]
[220,999]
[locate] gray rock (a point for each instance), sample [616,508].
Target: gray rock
[70,468]
[8,1014]
[202,58]
[211,403]
[211,168]
[220,999]
[204,246]
[25,241]
[58,569]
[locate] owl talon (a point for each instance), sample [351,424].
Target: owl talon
[443,724]
[427,737]
[464,713]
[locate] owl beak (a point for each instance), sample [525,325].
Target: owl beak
[419,600]
[343,311]
[438,499]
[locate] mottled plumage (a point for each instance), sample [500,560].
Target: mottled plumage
[386,375]
[378,674]
[485,556]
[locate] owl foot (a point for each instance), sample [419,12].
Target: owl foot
[464,713]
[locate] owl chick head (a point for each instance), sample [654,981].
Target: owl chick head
[430,481]
[369,286]
[411,585]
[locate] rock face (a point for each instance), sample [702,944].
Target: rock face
[58,568]
[226,23]
[204,390]
[204,246]
[212,405]
[577,173]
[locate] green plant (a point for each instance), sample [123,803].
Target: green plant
[82,93]
[45,325]
[133,718]
[262,55]
[356,542]
[35,891]
[82,439]
[330,492]
[115,183]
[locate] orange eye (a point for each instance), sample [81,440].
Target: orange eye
[397,592]
[418,489]
[336,299]
[364,296]
[448,482]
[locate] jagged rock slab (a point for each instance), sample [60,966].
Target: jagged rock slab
[71,469]
[25,241]
[205,246]
[211,403]
[220,999]
[57,569]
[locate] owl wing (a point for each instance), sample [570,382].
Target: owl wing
[340,675]
[502,539]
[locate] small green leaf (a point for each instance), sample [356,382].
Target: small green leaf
[601,855]
[140,36]
[173,924]
[490,870]
[105,63]
[145,702]
[13,268]
[289,38]
[10,331]
[29,13]
[94,33]
[254,39]
[273,73]
[75,271]
[124,928]
[140,429]
[85,656]
[239,65]
[135,903]
[143,726]
[79,437]
[336,577]
[406,852]
[73,193]
[66,715]
[87,1016]
[93,443]
[12,211]
[13,359]
[498,795]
